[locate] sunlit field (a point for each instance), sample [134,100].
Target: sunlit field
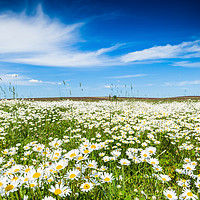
[99,150]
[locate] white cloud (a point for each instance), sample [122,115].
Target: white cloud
[20,33]
[18,79]
[183,83]
[39,40]
[128,76]
[105,50]
[187,64]
[34,81]
[183,50]
[107,86]
[62,59]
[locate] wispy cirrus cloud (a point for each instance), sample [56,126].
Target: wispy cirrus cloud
[182,83]
[187,64]
[37,34]
[183,50]
[18,79]
[105,50]
[35,81]
[40,40]
[127,76]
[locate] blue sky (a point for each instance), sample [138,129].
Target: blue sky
[146,48]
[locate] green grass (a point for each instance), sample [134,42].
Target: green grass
[126,126]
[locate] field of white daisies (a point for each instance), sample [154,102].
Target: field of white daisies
[99,150]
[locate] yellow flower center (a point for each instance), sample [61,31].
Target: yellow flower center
[86,151]
[164,179]
[9,187]
[90,165]
[72,155]
[106,179]
[145,155]
[72,176]
[1,184]
[93,146]
[32,185]
[80,158]
[56,144]
[57,154]
[189,168]
[15,178]
[124,163]
[50,180]
[86,186]
[169,196]
[27,170]
[57,191]
[36,175]
[26,179]
[59,167]
[16,170]
[190,194]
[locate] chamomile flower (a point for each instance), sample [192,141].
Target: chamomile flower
[35,174]
[92,164]
[184,183]
[56,143]
[106,177]
[170,194]
[188,195]
[154,161]
[189,167]
[164,178]
[60,190]
[73,174]
[81,157]
[60,165]
[145,154]
[124,162]
[106,158]
[87,186]
[10,187]
[72,154]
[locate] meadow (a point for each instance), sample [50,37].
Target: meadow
[99,150]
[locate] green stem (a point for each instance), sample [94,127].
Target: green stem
[32,194]
[123,181]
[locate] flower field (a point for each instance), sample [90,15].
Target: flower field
[99,150]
